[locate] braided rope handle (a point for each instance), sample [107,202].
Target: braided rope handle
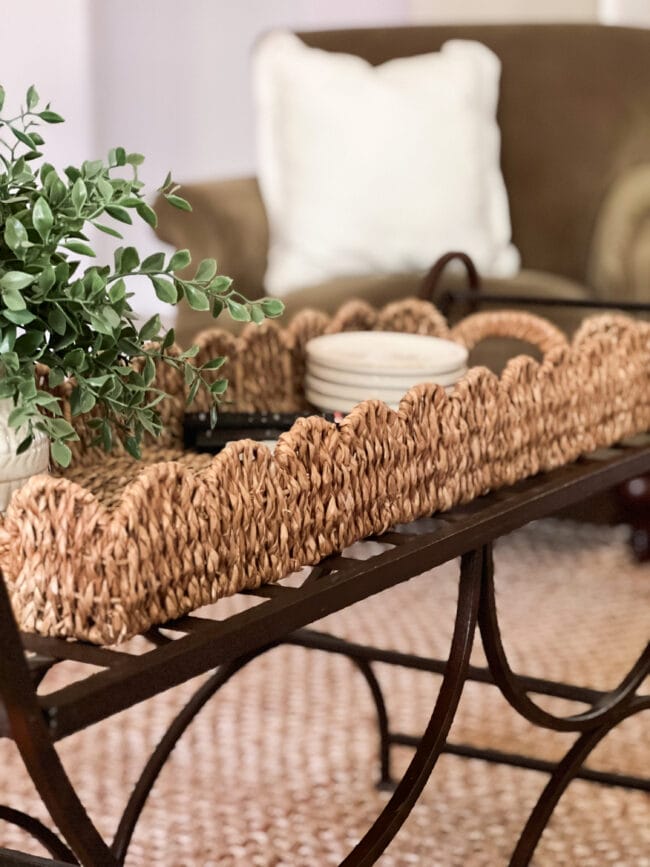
[509,323]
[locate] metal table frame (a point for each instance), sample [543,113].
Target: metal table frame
[194,645]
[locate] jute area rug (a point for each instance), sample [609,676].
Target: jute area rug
[279,768]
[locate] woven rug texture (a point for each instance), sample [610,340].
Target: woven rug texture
[279,769]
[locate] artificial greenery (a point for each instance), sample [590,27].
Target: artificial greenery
[79,323]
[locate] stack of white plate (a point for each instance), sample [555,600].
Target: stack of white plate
[344,369]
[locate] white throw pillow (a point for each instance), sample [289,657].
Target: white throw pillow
[370,170]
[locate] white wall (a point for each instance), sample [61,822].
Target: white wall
[633,13]
[177,84]
[493,11]
[46,44]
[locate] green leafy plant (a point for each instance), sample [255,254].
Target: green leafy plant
[79,322]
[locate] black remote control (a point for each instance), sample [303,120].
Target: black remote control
[199,436]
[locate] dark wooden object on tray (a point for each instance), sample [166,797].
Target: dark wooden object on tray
[193,644]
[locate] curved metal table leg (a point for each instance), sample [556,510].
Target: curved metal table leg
[40,832]
[564,773]
[392,817]
[157,760]
[385,782]
[607,708]
[37,749]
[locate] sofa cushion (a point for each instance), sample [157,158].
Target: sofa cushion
[378,169]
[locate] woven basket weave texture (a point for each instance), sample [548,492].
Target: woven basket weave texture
[111,546]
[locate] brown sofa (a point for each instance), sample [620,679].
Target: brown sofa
[574,114]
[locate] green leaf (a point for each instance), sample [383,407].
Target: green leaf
[19,317]
[18,417]
[133,448]
[29,343]
[50,116]
[16,280]
[15,235]
[80,248]
[2,96]
[74,360]
[55,377]
[169,338]
[108,230]
[196,298]
[27,389]
[134,159]
[111,316]
[42,218]
[10,361]
[155,262]
[165,290]
[101,324]
[46,279]
[25,444]
[118,213]
[178,202]
[61,428]
[105,189]
[194,388]
[32,98]
[107,436]
[54,188]
[23,137]
[91,168]
[61,454]
[272,307]
[117,291]
[56,320]
[81,400]
[214,363]
[181,259]
[129,260]
[147,214]
[237,311]
[13,299]
[219,387]
[149,371]
[192,352]
[257,314]
[7,339]
[79,195]
[217,307]
[151,328]
[220,284]
[206,270]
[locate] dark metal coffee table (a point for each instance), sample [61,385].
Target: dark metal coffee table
[194,645]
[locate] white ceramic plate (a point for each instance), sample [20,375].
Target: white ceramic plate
[358,392]
[331,403]
[386,352]
[370,380]
[328,403]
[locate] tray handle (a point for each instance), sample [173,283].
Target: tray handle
[509,323]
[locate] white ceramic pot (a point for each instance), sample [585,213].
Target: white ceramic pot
[16,469]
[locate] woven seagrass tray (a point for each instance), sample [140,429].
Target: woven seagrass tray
[112,546]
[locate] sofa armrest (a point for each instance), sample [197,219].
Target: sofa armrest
[227,223]
[619,261]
